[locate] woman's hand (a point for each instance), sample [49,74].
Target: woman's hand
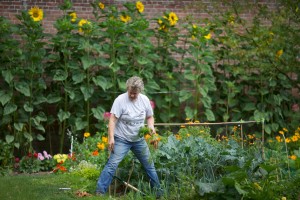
[111,144]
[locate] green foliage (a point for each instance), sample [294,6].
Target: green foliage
[86,170]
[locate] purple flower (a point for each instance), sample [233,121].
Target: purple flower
[46,155]
[40,156]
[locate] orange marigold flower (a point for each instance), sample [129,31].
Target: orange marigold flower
[287,140]
[294,138]
[95,153]
[293,157]
[147,136]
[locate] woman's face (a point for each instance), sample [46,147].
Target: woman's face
[133,94]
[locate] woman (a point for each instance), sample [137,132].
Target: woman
[128,114]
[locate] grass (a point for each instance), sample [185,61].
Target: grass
[47,187]
[44,187]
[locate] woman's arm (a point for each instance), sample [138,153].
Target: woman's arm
[150,123]
[111,129]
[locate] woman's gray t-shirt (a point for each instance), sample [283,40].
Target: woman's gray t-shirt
[131,115]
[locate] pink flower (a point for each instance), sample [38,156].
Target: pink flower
[46,155]
[17,159]
[40,156]
[295,107]
[106,115]
[152,104]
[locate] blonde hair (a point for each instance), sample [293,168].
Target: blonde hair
[135,83]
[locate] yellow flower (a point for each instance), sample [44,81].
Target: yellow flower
[159,21]
[293,157]
[281,132]
[196,121]
[101,145]
[104,139]
[193,37]
[294,138]
[194,26]
[60,157]
[278,138]
[279,53]
[139,6]
[73,16]
[101,5]
[147,136]
[81,23]
[287,140]
[283,198]
[178,137]
[285,130]
[36,14]
[172,18]
[125,18]
[86,134]
[208,36]
[257,186]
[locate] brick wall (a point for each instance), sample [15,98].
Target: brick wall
[153,8]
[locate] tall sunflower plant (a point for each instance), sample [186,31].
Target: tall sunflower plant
[27,117]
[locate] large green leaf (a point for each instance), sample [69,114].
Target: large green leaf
[249,106]
[102,82]
[80,125]
[87,62]
[52,98]
[27,107]
[9,138]
[209,115]
[5,97]
[98,112]
[7,75]
[190,112]
[60,75]
[87,92]
[23,88]
[39,137]
[9,108]
[78,77]
[62,115]
[28,136]
[19,126]
[189,75]
[184,95]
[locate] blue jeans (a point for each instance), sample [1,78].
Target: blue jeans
[121,148]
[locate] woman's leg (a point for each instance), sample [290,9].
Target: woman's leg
[121,148]
[141,151]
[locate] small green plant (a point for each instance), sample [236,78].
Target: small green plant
[144,131]
[30,164]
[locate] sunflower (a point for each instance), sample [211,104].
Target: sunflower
[139,6]
[36,14]
[82,23]
[101,6]
[172,18]
[125,18]
[73,16]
